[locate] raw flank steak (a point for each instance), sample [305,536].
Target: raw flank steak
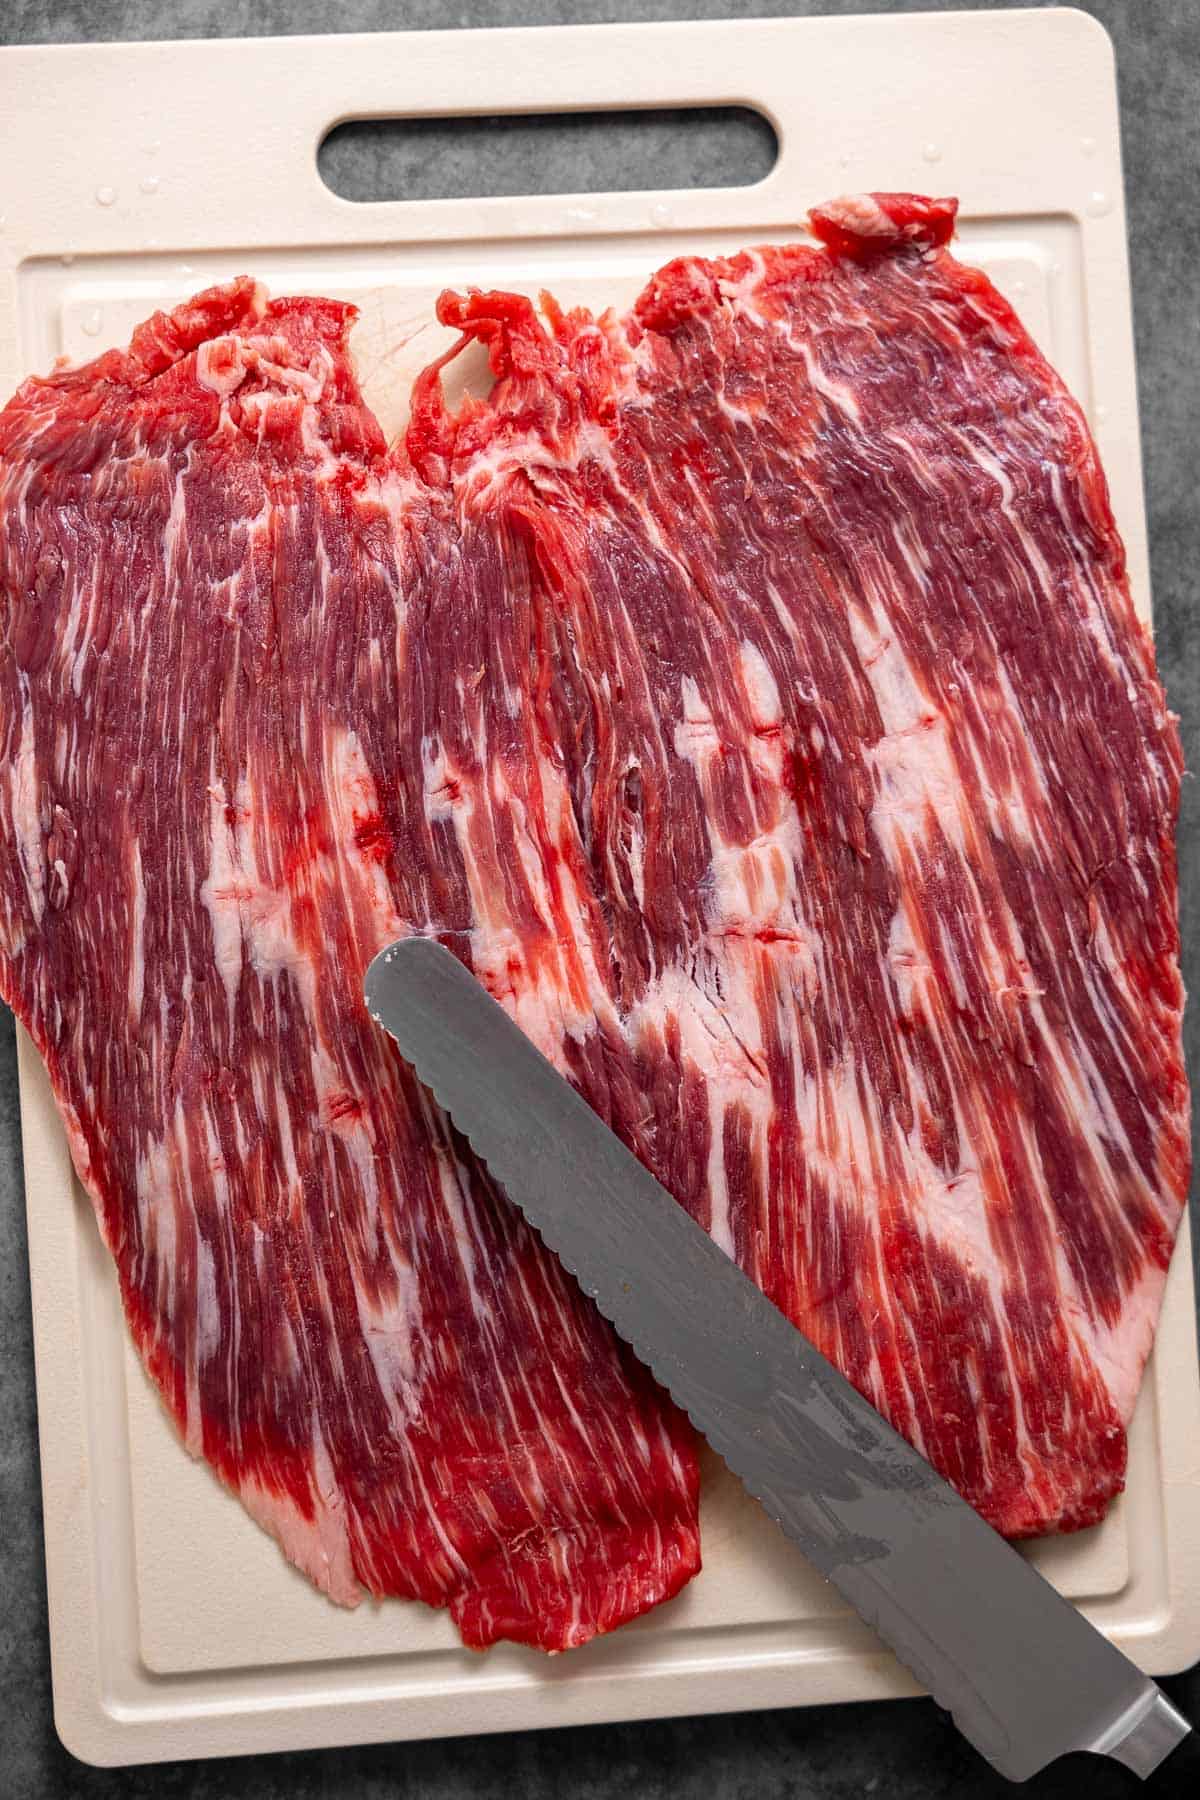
[749,691]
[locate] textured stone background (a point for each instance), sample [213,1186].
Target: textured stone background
[896,1751]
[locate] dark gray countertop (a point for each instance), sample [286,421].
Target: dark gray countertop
[896,1750]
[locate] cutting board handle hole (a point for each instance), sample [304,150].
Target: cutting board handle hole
[457,158]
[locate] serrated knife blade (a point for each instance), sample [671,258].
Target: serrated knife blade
[1024,1675]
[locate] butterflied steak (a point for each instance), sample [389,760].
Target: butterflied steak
[749,691]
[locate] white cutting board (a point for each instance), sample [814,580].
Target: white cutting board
[139,173]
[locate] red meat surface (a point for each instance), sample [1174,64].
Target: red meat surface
[749,691]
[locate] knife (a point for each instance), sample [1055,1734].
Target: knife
[1023,1674]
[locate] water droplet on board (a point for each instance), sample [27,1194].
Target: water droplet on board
[1088,146]
[149,184]
[843,162]
[580,215]
[1101,414]
[91,322]
[184,269]
[1016,289]
[67,258]
[153,147]
[1098,204]
[105,196]
[660,214]
[932,153]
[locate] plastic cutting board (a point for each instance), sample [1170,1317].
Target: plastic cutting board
[140,173]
